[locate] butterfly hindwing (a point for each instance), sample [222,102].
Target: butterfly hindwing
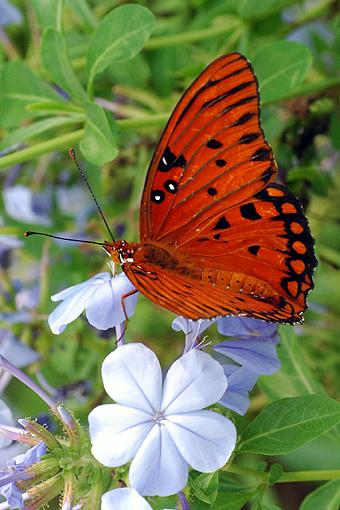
[267,238]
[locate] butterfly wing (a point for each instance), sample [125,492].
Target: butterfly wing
[211,153]
[208,196]
[256,260]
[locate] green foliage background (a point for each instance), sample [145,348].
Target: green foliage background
[123,71]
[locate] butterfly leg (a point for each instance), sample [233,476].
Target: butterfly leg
[122,300]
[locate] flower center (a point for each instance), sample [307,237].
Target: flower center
[158,417]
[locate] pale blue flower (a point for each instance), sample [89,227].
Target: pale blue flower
[161,427]
[17,470]
[9,14]
[15,351]
[241,380]
[193,330]
[100,297]
[23,205]
[253,351]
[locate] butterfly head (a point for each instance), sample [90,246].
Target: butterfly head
[120,251]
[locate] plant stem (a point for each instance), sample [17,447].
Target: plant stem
[192,36]
[41,148]
[69,139]
[21,376]
[240,470]
[293,476]
[310,476]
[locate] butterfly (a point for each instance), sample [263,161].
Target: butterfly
[217,235]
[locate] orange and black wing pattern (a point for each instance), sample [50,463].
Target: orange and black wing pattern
[240,244]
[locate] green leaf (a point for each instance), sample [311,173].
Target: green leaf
[55,60]
[205,487]
[83,11]
[294,378]
[37,128]
[233,499]
[118,37]
[19,86]
[255,9]
[48,12]
[275,473]
[289,423]
[54,107]
[98,144]
[280,67]
[326,497]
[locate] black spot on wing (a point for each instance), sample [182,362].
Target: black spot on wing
[169,160]
[171,186]
[248,212]
[214,144]
[262,154]
[212,191]
[157,196]
[248,138]
[244,119]
[222,223]
[220,162]
[254,249]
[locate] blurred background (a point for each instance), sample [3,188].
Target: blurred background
[42,190]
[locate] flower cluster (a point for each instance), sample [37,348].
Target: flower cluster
[251,353]
[158,425]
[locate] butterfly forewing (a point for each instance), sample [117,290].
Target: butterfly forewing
[212,153]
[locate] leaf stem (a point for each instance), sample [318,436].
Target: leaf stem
[192,35]
[69,139]
[243,471]
[293,476]
[309,476]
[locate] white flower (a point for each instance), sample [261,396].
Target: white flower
[161,426]
[100,297]
[122,499]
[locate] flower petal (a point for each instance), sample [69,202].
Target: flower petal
[117,432]
[258,355]
[240,381]
[192,329]
[245,326]
[194,381]
[132,376]
[69,310]
[70,292]
[13,496]
[158,468]
[123,499]
[6,418]
[205,439]
[105,310]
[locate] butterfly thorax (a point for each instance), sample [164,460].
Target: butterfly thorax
[150,253]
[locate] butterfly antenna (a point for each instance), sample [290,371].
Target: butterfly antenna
[74,158]
[31,233]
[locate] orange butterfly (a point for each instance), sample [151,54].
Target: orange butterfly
[218,237]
